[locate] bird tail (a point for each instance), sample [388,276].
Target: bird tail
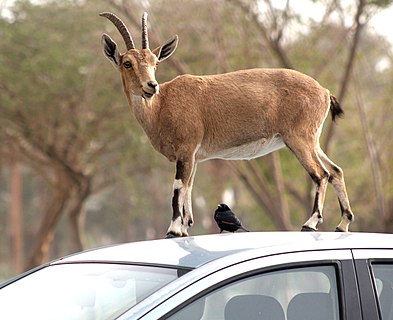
[244,229]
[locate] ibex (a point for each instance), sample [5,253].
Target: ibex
[237,115]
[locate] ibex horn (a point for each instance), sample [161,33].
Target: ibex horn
[145,39]
[121,27]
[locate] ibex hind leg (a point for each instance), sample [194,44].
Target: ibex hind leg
[307,155]
[337,180]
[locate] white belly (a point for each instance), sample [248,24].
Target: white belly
[247,151]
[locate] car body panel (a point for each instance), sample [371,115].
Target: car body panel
[385,254]
[193,252]
[209,261]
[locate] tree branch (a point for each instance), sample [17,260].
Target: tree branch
[358,28]
[373,155]
[273,42]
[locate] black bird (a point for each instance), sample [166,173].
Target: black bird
[226,219]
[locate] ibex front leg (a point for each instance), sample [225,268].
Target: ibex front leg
[181,221]
[188,219]
[316,218]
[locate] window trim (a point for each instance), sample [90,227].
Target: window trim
[342,283]
[371,262]
[363,260]
[351,303]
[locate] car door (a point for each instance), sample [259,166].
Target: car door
[292,286]
[375,273]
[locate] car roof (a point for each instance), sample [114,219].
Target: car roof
[192,252]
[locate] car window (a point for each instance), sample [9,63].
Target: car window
[383,274]
[293,294]
[81,291]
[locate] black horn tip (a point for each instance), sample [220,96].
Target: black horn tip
[105,14]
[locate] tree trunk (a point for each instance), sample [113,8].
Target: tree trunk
[16,220]
[280,187]
[375,168]
[76,214]
[76,219]
[50,218]
[348,69]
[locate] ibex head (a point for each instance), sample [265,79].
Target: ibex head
[137,66]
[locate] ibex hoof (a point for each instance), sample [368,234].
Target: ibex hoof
[308,229]
[339,230]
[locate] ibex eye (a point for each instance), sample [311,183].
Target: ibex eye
[127,65]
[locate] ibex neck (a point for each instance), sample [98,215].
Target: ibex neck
[144,111]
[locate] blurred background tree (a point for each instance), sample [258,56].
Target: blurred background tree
[76,170]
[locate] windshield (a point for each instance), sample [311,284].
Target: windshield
[81,291]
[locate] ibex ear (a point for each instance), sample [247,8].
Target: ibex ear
[110,50]
[165,51]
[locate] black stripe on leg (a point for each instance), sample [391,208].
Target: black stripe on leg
[316,179]
[349,215]
[316,208]
[175,204]
[179,170]
[341,207]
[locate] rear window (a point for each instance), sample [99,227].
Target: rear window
[81,291]
[383,274]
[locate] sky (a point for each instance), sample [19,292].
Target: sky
[382,21]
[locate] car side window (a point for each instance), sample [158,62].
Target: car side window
[293,294]
[383,276]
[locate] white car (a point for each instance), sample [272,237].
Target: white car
[267,275]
